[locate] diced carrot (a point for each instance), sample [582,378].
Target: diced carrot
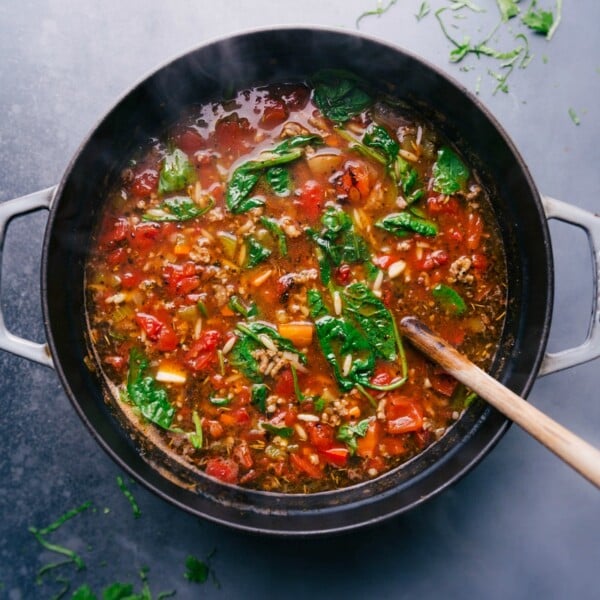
[367,445]
[304,465]
[226,311]
[182,249]
[228,419]
[298,332]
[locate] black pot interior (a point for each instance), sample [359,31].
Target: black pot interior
[211,73]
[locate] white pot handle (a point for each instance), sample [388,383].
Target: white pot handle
[8,210]
[590,349]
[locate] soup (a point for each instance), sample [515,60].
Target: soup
[249,269]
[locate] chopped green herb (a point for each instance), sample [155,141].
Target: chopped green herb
[196,570]
[380,10]
[340,95]
[63,518]
[319,404]
[137,513]
[449,299]
[423,11]
[348,433]
[540,21]
[176,172]
[220,401]
[508,9]
[574,116]
[179,208]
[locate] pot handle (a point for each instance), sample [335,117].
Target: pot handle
[590,348]
[8,210]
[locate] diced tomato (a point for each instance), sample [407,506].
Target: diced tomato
[337,456]
[311,200]
[387,296]
[305,466]
[403,415]
[433,260]
[116,257]
[158,331]
[224,469]
[144,235]
[474,231]
[422,438]
[342,274]
[480,262]
[455,235]
[321,435]
[442,205]
[243,455]
[241,415]
[366,446]
[190,141]
[443,383]
[382,376]
[284,386]
[215,429]
[453,334]
[144,182]
[181,279]
[130,279]
[394,446]
[203,352]
[217,381]
[233,134]
[274,113]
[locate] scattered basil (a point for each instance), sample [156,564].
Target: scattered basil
[450,174]
[403,223]
[340,95]
[143,392]
[508,9]
[179,208]
[275,230]
[176,172]
[196,570]
[137,513]
[574,116]
[539,20]
[449,299]
[424,10]
[380,10]
[257,253]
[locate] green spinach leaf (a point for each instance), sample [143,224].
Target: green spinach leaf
[257,253]
[450,174]
[371,315]
[340,95]
[449,299]
[176,172]
[379,138]
[276,231]
[298,141]
[246,310]
[281,431]
[179,208]
[403,223]
[143,392]
[279,180]
[259,396]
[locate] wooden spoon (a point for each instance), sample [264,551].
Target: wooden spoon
[577,453]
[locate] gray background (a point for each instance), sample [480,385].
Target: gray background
[521,525]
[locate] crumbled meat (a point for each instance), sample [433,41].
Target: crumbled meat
[220,294]
[459,270]
[290,228]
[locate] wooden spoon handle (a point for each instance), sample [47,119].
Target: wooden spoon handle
[577,453]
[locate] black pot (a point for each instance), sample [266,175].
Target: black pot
[210,73]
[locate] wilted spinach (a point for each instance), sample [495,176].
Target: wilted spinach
[179,208]
[176,172]
[276,231]
[279,180]
[340,95]
[403,223]
[257,253]
[450,174]
[298,141]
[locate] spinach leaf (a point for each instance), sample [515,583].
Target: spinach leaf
[246,310]
[246,176]
[449,172]
[348,433]
[257,253]
[540,21]
[179,208]
[176,172]
[143,392]
[379,138]
[337,242]
[281,431]
[298,141]
[276,231]
[279,180]
[403,223]
[315,304]
[371,315]
[259,396]
[449,299]
[339,95]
